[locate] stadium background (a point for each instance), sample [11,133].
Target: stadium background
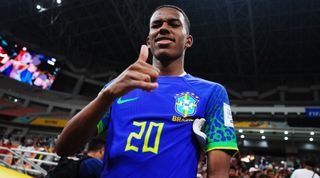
[265,53]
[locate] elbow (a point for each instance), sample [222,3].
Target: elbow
[62,149]
[60,152]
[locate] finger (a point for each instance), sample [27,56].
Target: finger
[143,56]
[135,75]
[148,86]
[149,66]
[146,69]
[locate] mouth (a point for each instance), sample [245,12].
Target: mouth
[164,40]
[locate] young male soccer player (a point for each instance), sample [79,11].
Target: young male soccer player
[152,108]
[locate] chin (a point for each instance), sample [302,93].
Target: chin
[166,57]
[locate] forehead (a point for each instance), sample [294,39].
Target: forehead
[166,13]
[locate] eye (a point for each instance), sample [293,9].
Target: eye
[175,23]
[156,24]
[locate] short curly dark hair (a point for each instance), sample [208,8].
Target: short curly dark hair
[95,144]
[186,19]
[310,162]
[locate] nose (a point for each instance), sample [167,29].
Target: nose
[164,28]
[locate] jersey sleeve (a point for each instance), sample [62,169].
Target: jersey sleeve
[219,128]
[103,124]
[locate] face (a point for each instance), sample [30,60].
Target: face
[168,37]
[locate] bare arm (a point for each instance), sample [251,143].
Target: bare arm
[83,125]
[218,164]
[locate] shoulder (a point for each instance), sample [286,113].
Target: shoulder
[90,165]
[200,82]
[299,172]
[91,161]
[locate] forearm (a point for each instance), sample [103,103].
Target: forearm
[82,126]
[218,164]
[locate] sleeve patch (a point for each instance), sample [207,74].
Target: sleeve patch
[227,115]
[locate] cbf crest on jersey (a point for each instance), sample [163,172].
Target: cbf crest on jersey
[186,104]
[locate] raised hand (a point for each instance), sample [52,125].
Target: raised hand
[140,74]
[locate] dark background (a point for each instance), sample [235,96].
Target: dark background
[243,44]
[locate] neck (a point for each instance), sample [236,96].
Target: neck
[171,68]
[93,154]
[308,167]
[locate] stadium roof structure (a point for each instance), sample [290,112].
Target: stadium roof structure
[244,44]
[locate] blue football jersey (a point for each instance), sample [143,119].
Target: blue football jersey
[149,134]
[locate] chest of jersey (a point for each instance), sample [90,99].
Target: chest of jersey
[153,128]
[169,103]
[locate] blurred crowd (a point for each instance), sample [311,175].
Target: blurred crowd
[248,166]
[40,144]
[251,167]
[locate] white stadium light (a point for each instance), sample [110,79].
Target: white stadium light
[38,7]
[50,62]
[286,132]
[261,131]
[311,139]
[242,136]
[58,1]
[312,133]
[263,137]
[286,138]
[240,130]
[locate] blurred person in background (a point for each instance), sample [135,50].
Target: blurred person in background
[255,172]
[27,145]
[282,173]
[92,166]
[306,171]
[233,172]
[6,154]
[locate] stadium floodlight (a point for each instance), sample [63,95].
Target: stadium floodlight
[240,131]
[261,131]
[50,62]
[286,132]
[311,133]
[311,139]
[38,7]
[263,137]
[286,138]
[242,136]
[59,1]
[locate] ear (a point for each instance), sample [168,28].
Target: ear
[101,151]
[148,41]
[189,41]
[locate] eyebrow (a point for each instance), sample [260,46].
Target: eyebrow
[166,20]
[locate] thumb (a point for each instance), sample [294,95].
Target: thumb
[143,56]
